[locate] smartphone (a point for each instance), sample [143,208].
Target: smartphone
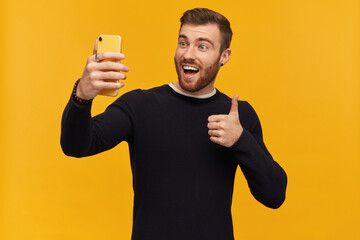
[109,43]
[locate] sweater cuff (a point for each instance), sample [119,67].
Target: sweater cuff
[245,140]
[79,107]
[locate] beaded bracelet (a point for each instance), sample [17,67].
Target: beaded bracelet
[78,100]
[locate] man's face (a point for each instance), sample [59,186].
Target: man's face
[197,57]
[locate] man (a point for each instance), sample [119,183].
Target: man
[185,139]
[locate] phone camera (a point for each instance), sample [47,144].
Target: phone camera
[100,39]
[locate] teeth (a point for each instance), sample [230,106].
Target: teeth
[190,68]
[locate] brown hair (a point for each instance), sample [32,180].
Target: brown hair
[202,16]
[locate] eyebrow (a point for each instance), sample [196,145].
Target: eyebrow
[199,39]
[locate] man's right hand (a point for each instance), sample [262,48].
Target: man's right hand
[96,72]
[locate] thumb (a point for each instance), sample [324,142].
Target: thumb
[95,47]
[234,104]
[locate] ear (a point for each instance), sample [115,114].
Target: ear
[225,56]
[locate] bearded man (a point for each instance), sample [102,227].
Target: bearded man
[185,139]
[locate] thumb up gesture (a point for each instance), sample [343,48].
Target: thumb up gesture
[226,129]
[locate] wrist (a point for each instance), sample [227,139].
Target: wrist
[77,99]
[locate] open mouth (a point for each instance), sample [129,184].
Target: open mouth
[190,71]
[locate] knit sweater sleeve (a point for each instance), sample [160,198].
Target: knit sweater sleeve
[266,178]
[83,135]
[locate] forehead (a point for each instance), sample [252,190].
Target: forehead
[208,31]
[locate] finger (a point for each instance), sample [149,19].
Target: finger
[108,76]
[217,118]
[110,66]
[109,56]
[234,104]
[214,133]
[111,85]
[95,47]
[213,125]
[215,139]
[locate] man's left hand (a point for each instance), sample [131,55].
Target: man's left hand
[226,129]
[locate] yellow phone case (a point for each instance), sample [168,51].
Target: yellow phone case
[109,43]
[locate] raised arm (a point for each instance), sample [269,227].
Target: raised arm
[82,135]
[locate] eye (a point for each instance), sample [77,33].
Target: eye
[182,44]
[203,47]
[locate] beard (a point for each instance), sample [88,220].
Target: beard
[207,75]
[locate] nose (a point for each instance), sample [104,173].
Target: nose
[189,53]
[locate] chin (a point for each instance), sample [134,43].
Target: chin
[193,85]
[190,87]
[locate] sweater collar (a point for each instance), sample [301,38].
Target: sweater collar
[209,95]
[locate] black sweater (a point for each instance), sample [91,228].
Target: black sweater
[183,182]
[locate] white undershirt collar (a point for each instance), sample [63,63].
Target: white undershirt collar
[192,95]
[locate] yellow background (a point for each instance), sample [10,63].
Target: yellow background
[296,62]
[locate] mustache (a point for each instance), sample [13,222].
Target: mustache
[189,61]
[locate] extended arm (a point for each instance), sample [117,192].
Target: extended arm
[82,135]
